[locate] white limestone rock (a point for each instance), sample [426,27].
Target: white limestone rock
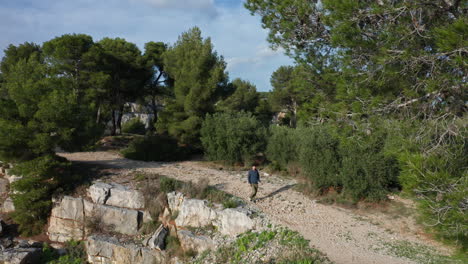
[195,213]
[99,192]
[175,200]
[233,222]
[121,220]
[122,196]
[189,241]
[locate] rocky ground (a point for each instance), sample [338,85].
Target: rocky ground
[344,235]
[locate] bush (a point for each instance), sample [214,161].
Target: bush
[76,254]
[283,146]
[336,157]
[155,148]
[367,173]
[439,181]
[134,126]
[33,193]
[232,137]
[319,157]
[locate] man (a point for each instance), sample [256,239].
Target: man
[254,179]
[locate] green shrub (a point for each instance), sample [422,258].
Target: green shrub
[232,137]
[319,157]
[134,126]
[283,146]
[367,173]
[76,254]
[155,148]
[33,193]
[439,180]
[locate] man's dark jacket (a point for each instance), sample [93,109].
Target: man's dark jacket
[254,177]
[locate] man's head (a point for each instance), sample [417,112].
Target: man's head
[253,167]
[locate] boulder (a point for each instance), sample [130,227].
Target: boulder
[157,241]
[189,241]
[195,213]
[101,249]
[124,221]
[8,206]
[4,188]
[99,192]
[21,255]
[116,195]
[175,199]
[67,220]
[122,196]
[233,222]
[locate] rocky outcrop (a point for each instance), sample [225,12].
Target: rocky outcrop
[157,241]
[233,222]
[195,213]
[4,188]
[99,192]
[21,256]
[189,241]
[116,195]
[67,220]
[8,206]
[174,200]
[121,220]
[109,250]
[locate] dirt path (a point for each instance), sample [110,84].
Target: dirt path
[343,235]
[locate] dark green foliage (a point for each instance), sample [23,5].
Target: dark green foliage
[76,254]
[367,173]
[245,98]
[232,137]
[134,126]
[283,146]
[199,79]
[33,193]
[319,157]
[329,158]
[155,148]
[439,181]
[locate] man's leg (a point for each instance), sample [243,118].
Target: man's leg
[254,190]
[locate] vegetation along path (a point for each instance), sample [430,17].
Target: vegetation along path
[345,235]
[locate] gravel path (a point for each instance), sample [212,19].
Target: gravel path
[340,233]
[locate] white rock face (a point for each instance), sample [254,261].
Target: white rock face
[21,255]
[195,213]
[189,241]
[99,192]
[8,206]
[4,188]
[102,250]
[116,195]
[122,196]
[67,220]
[175,200]
[124,221]
[233,222]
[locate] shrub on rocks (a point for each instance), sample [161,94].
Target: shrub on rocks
[155,148]
[134,126]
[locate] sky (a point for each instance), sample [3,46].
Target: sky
[235,34]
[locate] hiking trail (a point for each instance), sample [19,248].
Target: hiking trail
[344,235]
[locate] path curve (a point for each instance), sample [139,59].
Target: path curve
[343,236]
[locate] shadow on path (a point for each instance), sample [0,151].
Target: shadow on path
[282,189]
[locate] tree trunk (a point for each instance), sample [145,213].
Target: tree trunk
[293,121]
[98,115]
[114,127]
[119,120]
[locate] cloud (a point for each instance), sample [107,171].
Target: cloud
[180,3]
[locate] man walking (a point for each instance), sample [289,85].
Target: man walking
[254,179]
